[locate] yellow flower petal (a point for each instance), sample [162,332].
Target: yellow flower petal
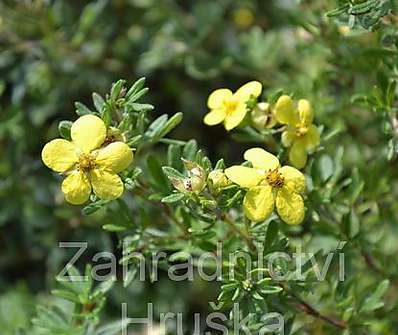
[252,88]
[217,98]
[106,185]
[234,118]
[298,154]
[294,180]
[76,188]
[244,176]
[288,137]
[215,116]
[305,111]
[116,156]
[312,138]
[290,206]
[88,132]
[285,112]
[59,155]
[261,159]
[258,203]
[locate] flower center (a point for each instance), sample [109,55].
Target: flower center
[230,105]
[275,178]
[86,162]
[301,130]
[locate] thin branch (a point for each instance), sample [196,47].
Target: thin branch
[370,262]
[164,208]
[246,237]
[305,307]
[308,309]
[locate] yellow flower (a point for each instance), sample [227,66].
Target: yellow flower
[269,185]
[344,30]
[243,17]
[229,107]
[300,135]
[88,165]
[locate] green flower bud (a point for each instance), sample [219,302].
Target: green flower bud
[179,184]
[114,135]
[263,116]
[217,180]
[196,180]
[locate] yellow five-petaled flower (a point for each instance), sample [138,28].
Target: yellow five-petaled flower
[90,164]
[300,134]
[230,108]
[269,185]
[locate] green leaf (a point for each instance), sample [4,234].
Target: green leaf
[64,129]
[272,233]
[363,7]
[134,141]
[167,126]
[80,288]
[82,109]
[190,150]
[98,102]
[137,86]
[326,167]
[117,89]
[141,107]
[236,295]
[67,295]
[93,207]
[220,165]
[106,116]
[351,224]
[103,288]
[50,319]
[172,141]
[114,228]
[338,11]
[373,301]
[90,14]
[172,173]
[390,94]
[269,289]
[136,96]
[173,198]
[234,199]
[130,276]
[156,126]
[174,156]
[160,181]
[113,328]
[274,96]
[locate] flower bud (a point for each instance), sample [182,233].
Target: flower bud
[113,134]
[178,184]
[263,116]
[217,180]
[196,180]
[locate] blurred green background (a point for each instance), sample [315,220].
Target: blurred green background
[53,53]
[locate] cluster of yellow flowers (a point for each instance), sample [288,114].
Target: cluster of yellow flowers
[268,184]
[94,157]
[91,161]
[300,135]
